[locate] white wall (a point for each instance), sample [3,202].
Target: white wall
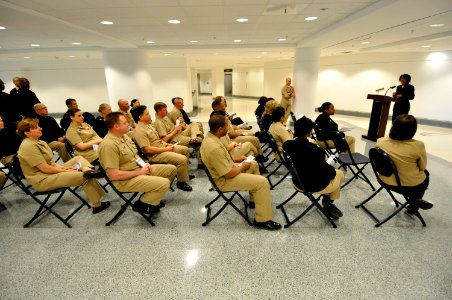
[248,82]
[275,74]
[346,81]
[205,82]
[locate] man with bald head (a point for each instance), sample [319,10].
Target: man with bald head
[287,94]
[52,134]
[124,107]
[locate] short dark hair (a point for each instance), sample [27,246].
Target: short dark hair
[133,101]
[303,126]
[406,76]
[216,122]
[159,105]
[112,118]
[324,107]
[72,112]
[262,100]
[216,102]
[218,113]
[278,113]
[69,101]
[403,128]
[137,112]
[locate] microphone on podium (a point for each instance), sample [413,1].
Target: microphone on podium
[390,88]
[379,90]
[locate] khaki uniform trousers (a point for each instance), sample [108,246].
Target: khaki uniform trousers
[180,161]
[349,139]
[246,149]
[154,186]
[287,105]
[2,178]
[91,187]
[185,137]
[333,189]
[258,188]
[61,149]
[251,139]
[6,159]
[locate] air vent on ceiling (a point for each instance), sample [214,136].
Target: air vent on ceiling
[284,9]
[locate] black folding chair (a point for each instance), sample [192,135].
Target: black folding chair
[69,148]
[128,201]
[292,115]
[355,161]
[44,205]
[228,201]
[323,143]
[299,188]
[265,146]
[279,159]
[8,177]
[382,165]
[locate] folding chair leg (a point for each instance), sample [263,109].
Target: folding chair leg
[272,186]
[228,201]
[2,207]
[43,205]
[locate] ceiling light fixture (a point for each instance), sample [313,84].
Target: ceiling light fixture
[167,54]
[436,25]
[1,27]
[193,41]
[281,40]
[174,21]
[237,41]
[35,45]
[425,46]
[364,43]
[75,43]
[71,56]
[310,18]
[26,57]
[242,20]
[150,42]
[107,22]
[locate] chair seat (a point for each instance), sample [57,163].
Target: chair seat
[358,157]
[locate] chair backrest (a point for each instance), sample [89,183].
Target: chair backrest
[69,148]
[274,146]
[89,118]
[382,164]
[140,152]
[339,142]
[215,186]
[294,119]
[294,173]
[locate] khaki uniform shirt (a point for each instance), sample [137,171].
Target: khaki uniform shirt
[118,153]
[216,157]
[147,135]
[31,154]
[410,159]
[163,126]
[82,134]
[286,89]
[129,118]
[280,133]
[176,114]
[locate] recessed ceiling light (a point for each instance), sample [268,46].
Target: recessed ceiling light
[237,41]
[27,57]
[263,53]
[150,42]
[310,18]
[193,41]
[281,39]
[1,27]
[107,22]
[436,25]
[364,43]
[71,56]
[242,20]
[167,54]
[35,45]
[425,46]
[75,43]
[174,21]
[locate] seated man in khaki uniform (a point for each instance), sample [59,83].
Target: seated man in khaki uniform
[52,133]
[124,107]
[119,158]
[44,174]
[230,176]
[178,113]
[157,150]
[279,132]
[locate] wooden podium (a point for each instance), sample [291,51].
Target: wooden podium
[378,116]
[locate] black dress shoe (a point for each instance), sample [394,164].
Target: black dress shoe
[251,204]
[145,208]
[161,204]
[269,225]
[103,206]
[200,167]
[422,204]
[89,174]
[184,186]
[330,208]
[262,170]
[191,176]
[260,158]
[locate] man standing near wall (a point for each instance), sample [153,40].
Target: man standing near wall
[287,94]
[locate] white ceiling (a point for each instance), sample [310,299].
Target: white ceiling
[341,27]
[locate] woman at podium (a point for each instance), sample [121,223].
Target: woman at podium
[327,126]
[403,94]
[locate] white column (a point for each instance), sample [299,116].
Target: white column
[217,82]
[305,73]
[127,75]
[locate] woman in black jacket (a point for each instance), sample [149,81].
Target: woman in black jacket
[403,94]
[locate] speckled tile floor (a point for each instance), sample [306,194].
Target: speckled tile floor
[180,259]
